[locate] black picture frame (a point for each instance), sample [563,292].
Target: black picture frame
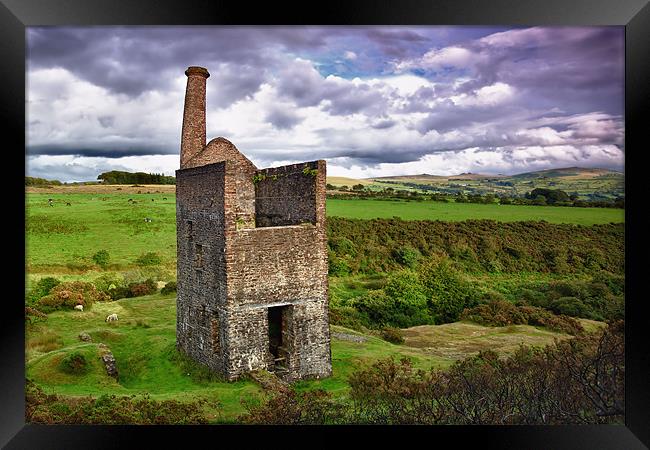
[15,15]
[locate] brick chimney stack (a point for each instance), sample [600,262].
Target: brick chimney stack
[193,134]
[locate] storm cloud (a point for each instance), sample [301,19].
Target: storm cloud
[370,100]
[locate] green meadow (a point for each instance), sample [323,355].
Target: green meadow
[61,240]
[428,210]
[65,237]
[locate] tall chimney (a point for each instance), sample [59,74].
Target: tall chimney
[193,135]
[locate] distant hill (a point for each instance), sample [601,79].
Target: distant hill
[591,184]
[572,172]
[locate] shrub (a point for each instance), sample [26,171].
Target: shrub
[392,334]
[574,381]
[119,292]
[169,288]
[70,294]
[448,294]
[337,267]
[407,256]
[41,289]
[145,288]
[101,258]
[108,409]
[74,364]
[108,281]
[502,313]
[148,259]
[288,407]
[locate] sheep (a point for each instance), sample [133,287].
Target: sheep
[112,318]
[79,307]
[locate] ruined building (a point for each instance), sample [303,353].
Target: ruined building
[252,256]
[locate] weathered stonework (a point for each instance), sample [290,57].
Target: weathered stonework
[252,257]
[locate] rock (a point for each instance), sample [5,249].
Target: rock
[83,336]
[109,361]
[349,337]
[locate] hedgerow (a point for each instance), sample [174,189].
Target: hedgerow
[381,245]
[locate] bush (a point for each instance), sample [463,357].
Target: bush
[108,281]
[108,410]
[407,256]
[448,294]
[71,294]
[148,259]
[392,334]
[74,364]
[41,289]
[145,288]
[101,258]
[479,245]
[169,288]
[574,381]
[119,292]
[502,313]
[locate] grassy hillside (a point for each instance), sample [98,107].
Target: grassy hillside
[587,184]
[143,340]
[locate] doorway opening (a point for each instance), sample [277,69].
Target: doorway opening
[277,332]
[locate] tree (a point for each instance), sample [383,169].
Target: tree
[357,187]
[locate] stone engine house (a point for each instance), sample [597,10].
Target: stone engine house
[252,256]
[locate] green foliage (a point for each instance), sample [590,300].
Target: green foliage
[168,288]
[309,172]
[42,182]
[553,385]
[145,288]
[121,177]
[74,364]
[447,292]
[392,334]
[407,256]
[69,294]
[478,245]
[109,409]
[590,299]
[401,303]
[258,177]
[288,407]
[41,289]
[550,196]
[102,258]
[41,224]
[501,313]
[148,259]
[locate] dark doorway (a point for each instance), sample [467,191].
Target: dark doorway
[275,331]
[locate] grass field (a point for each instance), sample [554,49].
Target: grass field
[427,210]
[61,240]
[63,236]
[143,341]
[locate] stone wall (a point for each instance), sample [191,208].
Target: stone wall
[248,240]
[201,272]
[286,195]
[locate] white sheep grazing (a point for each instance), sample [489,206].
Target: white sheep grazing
[79,307]
[111,318]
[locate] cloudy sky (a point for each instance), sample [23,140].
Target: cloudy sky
[372,101]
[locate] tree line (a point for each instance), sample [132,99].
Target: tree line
[121,177]
[536,197]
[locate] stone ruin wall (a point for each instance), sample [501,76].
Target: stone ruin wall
[201,271]
[224,323]
[257,239]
